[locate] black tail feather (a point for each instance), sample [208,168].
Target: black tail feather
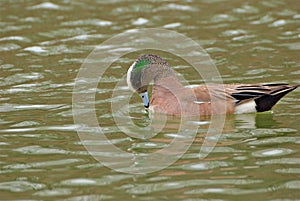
[267,101]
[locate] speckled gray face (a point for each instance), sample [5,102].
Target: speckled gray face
[136,78]
[140,74]
[134,75]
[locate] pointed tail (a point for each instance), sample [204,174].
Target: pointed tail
[267,101]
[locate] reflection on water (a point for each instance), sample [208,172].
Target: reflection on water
[43,45]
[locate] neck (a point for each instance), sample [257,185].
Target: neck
[168,83]
[157,73]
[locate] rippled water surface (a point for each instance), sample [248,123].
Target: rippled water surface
[42,47]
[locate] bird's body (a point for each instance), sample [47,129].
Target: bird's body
[169,96]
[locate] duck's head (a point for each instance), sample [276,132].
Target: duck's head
[146,68]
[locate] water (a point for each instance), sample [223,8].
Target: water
[43,45]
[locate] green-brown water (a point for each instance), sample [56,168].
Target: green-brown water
[42,46]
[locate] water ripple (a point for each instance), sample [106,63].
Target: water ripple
[53,192]
[43,164]
[165,186]
[20,186]
[272,152]
[46,5]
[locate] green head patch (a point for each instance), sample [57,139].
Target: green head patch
[136,73]
[141,63]
[137,79]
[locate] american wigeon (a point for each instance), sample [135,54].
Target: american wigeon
[169,96]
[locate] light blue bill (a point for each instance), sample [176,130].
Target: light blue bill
[145,99]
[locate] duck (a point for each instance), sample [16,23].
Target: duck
[170,97]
